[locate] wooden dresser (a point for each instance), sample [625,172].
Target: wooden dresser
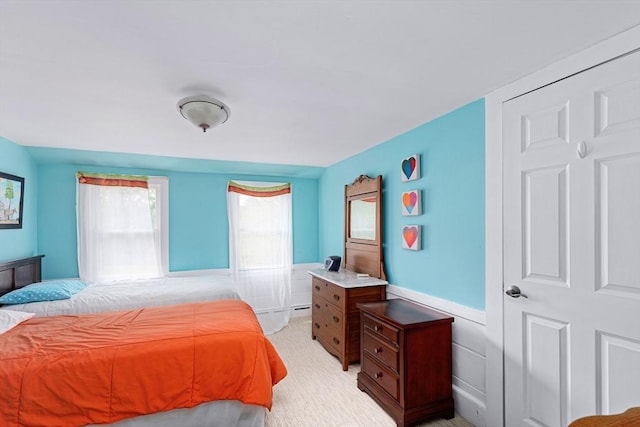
[406,360]
[335,319]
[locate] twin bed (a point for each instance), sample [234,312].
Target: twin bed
[177,351]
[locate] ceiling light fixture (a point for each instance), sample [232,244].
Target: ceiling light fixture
[203,111]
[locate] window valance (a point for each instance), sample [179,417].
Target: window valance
[112,180]
[256,191]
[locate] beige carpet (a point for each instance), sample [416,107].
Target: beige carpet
[318,393]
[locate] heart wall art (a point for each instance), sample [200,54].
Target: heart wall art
[410,168]
[411,237]
[411,203]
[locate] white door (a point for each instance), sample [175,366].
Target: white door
[572,246]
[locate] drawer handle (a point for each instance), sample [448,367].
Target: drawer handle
[377,375]
[336,319]
[317,306]
[317,325]
[336,340]
[336,297]
[317,288]
[377,350]
[377,328]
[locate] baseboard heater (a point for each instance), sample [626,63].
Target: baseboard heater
[296,308]
[301,310]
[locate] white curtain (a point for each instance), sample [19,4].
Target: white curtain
[116,240]
[260,248]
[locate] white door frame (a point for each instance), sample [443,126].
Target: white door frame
[603,51]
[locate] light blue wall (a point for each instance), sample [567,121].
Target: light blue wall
[20,242]
[451,263]
[198,225]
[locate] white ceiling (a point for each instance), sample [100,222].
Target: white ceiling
[307,82]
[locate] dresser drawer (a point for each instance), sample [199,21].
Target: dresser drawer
[381,350]
[334,318]
[381,328]
[332,341]
[382,376]
[331,315]
[332,293]
[318,319]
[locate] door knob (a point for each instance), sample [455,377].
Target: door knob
[582,150]
[514,292]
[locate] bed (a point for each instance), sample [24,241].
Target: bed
[102,368]
[104,300]
[97,297]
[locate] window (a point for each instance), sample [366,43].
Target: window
[121,226]
[263,232]
[260,248]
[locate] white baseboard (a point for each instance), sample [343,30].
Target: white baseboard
[469,407]
[209,272]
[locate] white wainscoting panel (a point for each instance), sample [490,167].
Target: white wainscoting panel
[301,289]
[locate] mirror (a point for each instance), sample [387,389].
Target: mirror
[363,226]
[363,219]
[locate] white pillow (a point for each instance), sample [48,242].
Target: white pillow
[11,318]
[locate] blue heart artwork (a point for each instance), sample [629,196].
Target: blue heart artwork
[410,168]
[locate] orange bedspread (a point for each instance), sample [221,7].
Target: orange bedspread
[101,368]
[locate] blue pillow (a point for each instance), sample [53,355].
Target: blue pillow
[46,291]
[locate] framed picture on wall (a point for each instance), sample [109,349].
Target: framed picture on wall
[411,237]
[11,200]
[410,168]
[411,203]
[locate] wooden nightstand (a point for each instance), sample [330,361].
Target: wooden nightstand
[406,360]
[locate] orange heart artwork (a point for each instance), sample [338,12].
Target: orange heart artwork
[410,235]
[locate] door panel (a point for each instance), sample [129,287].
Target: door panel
[572,246]
[619,387]
[544,199]
[546,370]
[617,107]
[545,128]
[617,230]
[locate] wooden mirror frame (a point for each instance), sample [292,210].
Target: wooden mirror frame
[363,255]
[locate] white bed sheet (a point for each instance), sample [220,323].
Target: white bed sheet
[101,297]
[221,413]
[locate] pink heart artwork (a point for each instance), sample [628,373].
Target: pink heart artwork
[409,200]
[410,235]
[411,203]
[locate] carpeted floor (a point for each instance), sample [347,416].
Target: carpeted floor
[318,393]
